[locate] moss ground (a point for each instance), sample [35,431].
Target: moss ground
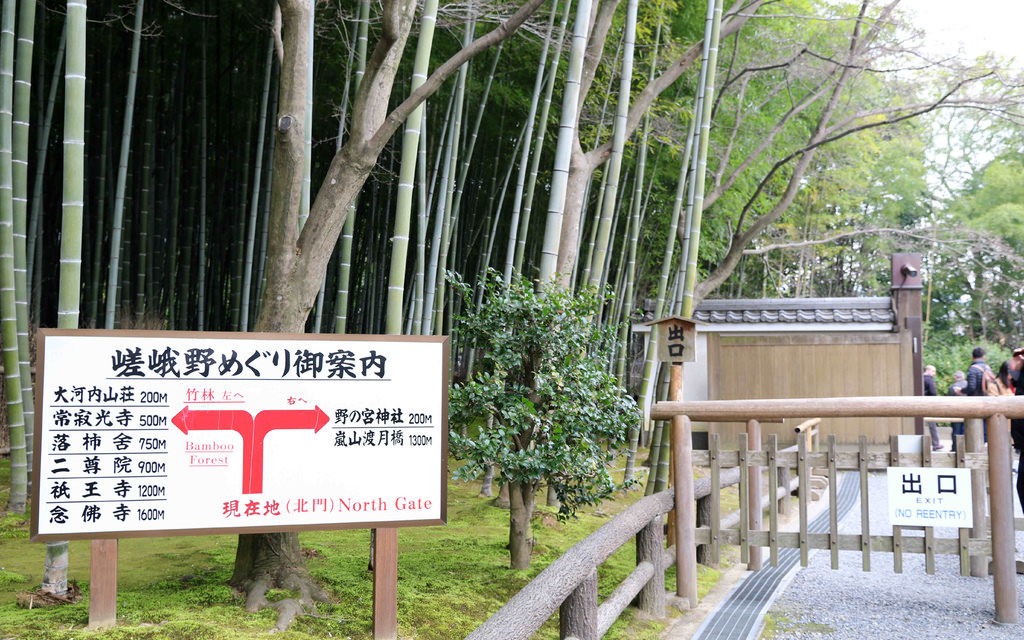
[450,579]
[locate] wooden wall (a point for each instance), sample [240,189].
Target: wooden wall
[809,365]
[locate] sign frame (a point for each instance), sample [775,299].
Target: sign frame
[676,339]
[412,343]
[930,484]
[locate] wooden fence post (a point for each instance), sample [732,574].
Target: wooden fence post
[103,584]
[785,506]
[754,493]
[650,547]
[1000,478]
[686,520]
[385,584]
[577,617]
[974,442]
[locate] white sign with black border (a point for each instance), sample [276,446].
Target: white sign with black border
[930,497]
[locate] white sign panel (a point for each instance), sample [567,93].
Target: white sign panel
[165,433]
[930,497]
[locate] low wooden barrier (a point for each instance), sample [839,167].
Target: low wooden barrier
[970,545]
[569,584]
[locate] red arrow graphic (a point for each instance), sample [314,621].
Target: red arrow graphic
[230,420]
[271,419]
[252,431]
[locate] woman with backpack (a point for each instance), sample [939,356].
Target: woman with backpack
[1002,384]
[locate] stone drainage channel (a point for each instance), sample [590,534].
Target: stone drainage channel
[739,616]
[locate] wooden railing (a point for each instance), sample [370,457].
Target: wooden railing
[997,463]
[569,585]
[546,593]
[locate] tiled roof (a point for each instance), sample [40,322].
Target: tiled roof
[797,310]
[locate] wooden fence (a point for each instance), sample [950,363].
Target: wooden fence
[569,584]
[992,536]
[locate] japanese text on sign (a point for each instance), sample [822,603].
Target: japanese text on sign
[929,497]
[173,432]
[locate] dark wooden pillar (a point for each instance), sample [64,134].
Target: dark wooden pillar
[906,292]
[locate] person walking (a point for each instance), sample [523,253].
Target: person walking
[1015,366]
[930,390]
[1003,384]
[957,390]
[978,374]
[979,379]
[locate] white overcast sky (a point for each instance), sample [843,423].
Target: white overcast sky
[975,26]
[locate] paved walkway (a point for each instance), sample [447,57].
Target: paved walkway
[737,615]
[736,606]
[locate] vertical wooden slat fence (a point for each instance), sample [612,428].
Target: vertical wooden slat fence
[973,442]
[972,546]
[569,584]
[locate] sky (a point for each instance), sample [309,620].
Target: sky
[975,26]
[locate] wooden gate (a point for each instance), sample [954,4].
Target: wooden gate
[993,531]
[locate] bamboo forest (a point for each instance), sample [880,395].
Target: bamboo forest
[392,167]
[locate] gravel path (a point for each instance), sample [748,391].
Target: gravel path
[849,604]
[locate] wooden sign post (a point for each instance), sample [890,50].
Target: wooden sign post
[676,345]
[160,433]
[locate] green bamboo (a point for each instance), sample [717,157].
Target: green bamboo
[186,284]
[122,167]
[651,367]
[341,302]
[433,269]
[261,262]
[21,118]
[566,133]
[597,271]
[422,222]
[450,216]
[254,203]
[633,235]
[18,498]
[145,217]
[531,116]
[241,240]
[174,263]
[470,145]
[524,222]
[602,190]
[96,279]
[407,175]
[610,254]
[709,68]
[55,571]
[203,168]
[42,146]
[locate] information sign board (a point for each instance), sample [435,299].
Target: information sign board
[929,497]
[172,433]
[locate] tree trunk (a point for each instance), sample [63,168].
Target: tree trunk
[520,542]
[270,560]
[503,501]
[487,482]
[297,256]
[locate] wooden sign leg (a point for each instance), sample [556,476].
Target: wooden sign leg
[103,584]
[385,585]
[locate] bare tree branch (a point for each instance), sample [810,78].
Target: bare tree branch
[500,33]
[880,231]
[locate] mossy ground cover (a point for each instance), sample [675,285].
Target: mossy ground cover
[450,579]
